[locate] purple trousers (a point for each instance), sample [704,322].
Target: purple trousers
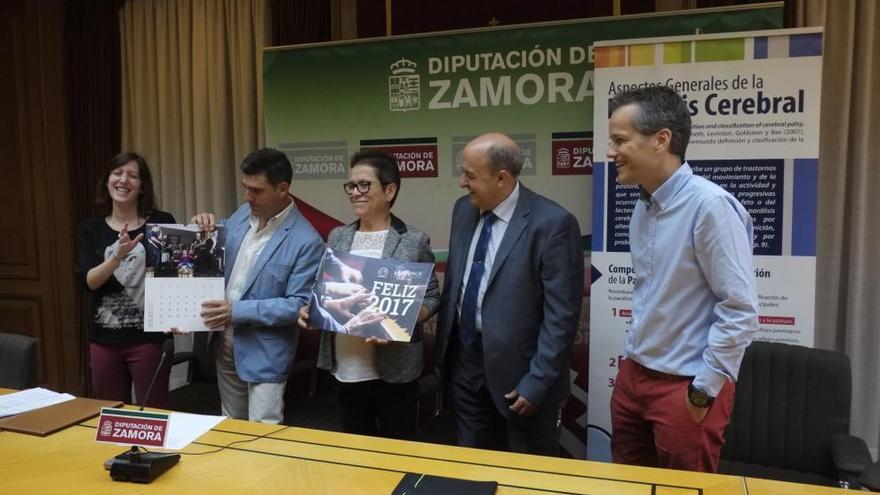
[115,366]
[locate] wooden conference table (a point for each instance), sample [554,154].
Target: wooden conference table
[243,457]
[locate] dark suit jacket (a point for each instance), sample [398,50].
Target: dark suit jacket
[532,304]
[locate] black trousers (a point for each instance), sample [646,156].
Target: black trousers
[378,408]
[481,425]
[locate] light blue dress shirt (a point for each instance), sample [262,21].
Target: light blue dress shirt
[695,296]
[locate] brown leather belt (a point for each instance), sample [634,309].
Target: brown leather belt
[659,374]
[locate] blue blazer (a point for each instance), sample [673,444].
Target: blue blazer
[532,304]
[264,320]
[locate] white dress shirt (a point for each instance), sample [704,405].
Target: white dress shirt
[251,247]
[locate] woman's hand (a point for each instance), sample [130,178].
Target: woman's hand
[424,315]
[125,243]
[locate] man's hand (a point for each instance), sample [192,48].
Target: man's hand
[204,220]
[521,405]
[216,313]
[698,413]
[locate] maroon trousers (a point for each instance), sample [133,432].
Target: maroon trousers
[652,426]
[116,366]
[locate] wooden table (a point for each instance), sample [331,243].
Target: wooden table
[243,457]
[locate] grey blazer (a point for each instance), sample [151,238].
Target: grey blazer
[398,362]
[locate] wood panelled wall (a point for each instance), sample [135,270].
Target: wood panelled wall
[36,250]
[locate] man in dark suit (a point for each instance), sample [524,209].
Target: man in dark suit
[511,304]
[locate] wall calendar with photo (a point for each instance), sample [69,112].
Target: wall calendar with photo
[368,297]
[184,268]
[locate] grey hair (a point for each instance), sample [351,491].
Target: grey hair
[506,157]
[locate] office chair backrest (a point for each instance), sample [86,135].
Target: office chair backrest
[790,400]
[18,361]
[204,369]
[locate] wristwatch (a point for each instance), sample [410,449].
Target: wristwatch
[699,397]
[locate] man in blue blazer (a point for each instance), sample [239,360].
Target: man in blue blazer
[272,256]
[511,303]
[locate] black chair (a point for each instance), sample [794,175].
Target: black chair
[430,399]
[791,418]
[303,377]
[200,395]
[870,478]
[18,361]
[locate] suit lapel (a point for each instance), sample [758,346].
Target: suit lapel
[518,223]
[392,239]
[271,245]
[234,237]
[464,224]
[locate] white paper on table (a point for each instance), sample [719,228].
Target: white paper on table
[177,302]
[30,399]
[184,428]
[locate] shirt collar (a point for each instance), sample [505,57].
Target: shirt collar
[664,194]
[274,221]
[505,208]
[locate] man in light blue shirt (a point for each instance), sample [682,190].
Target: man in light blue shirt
[694,301]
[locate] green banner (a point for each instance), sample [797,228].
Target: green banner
[423,97]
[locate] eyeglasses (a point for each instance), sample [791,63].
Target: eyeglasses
[363,186]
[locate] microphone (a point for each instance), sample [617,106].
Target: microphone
[167,350]
[144,467]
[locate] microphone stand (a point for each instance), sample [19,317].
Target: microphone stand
[135,465]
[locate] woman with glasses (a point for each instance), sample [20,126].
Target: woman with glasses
[376,380]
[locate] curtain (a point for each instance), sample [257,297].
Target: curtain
[192,97]
[91,72]
[300,21]
[848,297]
[804,13]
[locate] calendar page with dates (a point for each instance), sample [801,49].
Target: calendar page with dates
[184,268]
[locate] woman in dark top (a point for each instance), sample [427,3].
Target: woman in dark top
[112,262]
